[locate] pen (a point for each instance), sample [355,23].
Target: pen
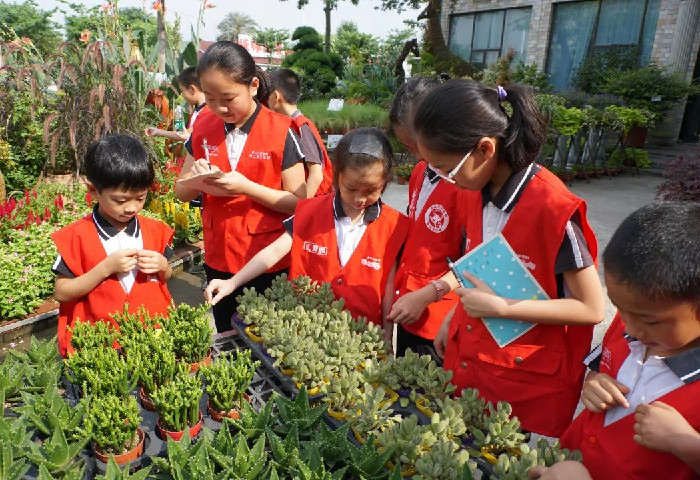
[206,153]
[451,264]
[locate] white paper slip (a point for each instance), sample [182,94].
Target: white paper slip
[496,264]
[197,182]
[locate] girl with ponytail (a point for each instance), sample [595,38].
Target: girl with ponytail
[258,156]
[472,138]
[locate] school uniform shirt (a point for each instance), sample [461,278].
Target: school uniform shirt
[540,374]
[85,243]
[606,439]
[314,151]
[236,227]
[433,236]
[355,259]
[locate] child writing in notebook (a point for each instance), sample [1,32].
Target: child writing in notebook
[258,152]
[350,238]
[434,235]
[465,133]
[286,91]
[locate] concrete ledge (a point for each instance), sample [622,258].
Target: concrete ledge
[184,258]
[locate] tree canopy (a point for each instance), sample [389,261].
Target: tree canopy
[28,20]
[234,24]
[319,70]
[351,44]
[271,39]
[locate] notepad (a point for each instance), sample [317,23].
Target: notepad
[496,264]
[197,182]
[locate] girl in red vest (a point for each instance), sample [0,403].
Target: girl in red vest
[258,151]
[465,134]
[434,235]
[350,238]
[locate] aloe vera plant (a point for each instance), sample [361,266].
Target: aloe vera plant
[39,378]
[39,353]
[14,444]
[251,423]
[76,472]
[366,462]
[112,423]
[190,331]
[228,378]
[48,411]
[114,472]
[298,414]
[235,459]
[184,460]
[57,455]
[11,379]
[177,402]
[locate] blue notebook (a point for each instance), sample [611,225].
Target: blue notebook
[496,264]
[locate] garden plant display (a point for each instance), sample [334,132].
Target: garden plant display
[189,329]
[177,401]
[113,423]
[227,380]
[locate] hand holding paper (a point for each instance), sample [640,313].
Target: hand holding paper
[480,300]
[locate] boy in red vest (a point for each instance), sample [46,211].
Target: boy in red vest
[112,256]
[284,98]
[641,417]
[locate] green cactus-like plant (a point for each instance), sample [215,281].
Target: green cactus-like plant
[86,335]
[112,422]
[298,414]
[228,378]
[177,402]
[190,331]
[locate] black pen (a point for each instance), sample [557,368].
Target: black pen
[451,264]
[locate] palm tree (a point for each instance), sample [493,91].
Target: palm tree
[235,23]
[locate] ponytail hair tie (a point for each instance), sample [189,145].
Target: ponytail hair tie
[502,94]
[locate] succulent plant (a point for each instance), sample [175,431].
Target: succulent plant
[112,423]
[502,431]
[190,331]
[177,401]
[445,461]
[371,414]
[228,378]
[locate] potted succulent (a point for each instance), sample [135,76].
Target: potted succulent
[113,423]
[409,441]
[371,413]
[49,410]
[177,404]
[100,371]
[191,333]
[342,393]
[501,433]
[154,362]
[445,461]
[403,172]
[227,380]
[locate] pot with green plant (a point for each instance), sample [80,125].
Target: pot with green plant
[154,362]
[409,442]
[371,413]
[191,333]
[342,393]
[501,433]
[227,380]
[403,172]
[177,404]
[113,423]
[445,461]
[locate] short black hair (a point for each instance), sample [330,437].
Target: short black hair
[409,95]
[656,251]
[454,116]
[287,83]
[189,77]
[345,157]
[118,161]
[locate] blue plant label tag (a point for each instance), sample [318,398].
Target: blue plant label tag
[495,263]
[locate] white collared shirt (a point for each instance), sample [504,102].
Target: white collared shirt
[426,190]
[120,241]
[235,141]
[349,236]
[647,380]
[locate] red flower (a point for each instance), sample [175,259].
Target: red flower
[88,199]
[60,201]
[13,204]
[26,196]
[47,214]
[30,216]
[34,194]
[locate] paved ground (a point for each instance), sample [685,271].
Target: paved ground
[609,200]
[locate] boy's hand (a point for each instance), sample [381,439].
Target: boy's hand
[661,427]
[121,261]
[218,289]
[150,262]
[601,392]
[233,183]
[481,301]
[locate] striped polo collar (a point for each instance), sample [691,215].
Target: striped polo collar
[685,365]
[106,230]
[372,212]
[509,194]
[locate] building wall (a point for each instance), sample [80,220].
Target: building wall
[676,41]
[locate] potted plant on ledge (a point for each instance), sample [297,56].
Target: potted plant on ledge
[227,380]
[403,172]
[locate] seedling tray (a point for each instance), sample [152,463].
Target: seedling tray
[289,388]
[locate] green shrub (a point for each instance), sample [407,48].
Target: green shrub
[350,117]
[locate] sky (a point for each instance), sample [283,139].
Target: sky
[268,14]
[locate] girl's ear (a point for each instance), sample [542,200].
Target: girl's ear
[486,148]
[255,83]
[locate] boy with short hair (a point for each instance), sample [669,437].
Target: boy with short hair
[191,91]
[286,92]
[112,256]
[648,365]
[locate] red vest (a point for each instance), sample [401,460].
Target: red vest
[362,281]
[540,373]
[193,118]
[236,228]
[327,182]
[81,249]
[432,237]
[610,452]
